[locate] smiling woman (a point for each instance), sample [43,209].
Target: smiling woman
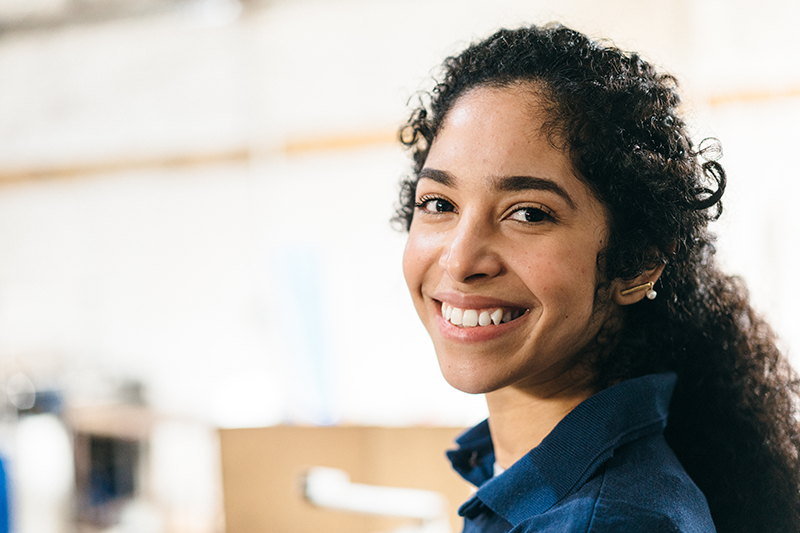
[555,188]
[495,200]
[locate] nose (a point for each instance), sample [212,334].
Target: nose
[469,253]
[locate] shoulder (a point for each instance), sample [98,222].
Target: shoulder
[614,517]
[604,518]
[630,519]
[586,514]
[643,487]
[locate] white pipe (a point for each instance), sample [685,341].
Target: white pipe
[331,488]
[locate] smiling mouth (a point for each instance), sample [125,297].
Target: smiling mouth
[471,318]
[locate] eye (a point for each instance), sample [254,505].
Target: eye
[531,214]
[434,204]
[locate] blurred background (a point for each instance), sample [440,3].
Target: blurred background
[194,223]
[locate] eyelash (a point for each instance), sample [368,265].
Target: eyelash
[430,198]
[542,211]
[545,213]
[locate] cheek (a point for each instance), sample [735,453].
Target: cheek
[408,263]
[561,274]
[415,258]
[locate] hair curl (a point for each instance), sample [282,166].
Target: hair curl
[733,418]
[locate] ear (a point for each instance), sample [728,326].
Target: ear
[630,291]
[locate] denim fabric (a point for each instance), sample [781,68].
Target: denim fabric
[604,468]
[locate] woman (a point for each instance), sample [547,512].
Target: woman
[558,257]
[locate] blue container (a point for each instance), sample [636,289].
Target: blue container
[3,498]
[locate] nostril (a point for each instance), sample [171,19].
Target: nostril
[470,256]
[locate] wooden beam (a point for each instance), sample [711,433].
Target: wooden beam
[339,142]
[242,155]
[747,97]
[81,169]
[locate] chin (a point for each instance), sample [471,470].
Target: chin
[470,381]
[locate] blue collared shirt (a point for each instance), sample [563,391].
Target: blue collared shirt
[604,468]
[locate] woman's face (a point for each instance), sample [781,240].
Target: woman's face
[501,258]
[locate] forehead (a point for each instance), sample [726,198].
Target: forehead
[511,115]
[493,135]
[516,106]
[498,132]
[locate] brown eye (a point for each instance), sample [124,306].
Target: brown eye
[530,214]
[435,205]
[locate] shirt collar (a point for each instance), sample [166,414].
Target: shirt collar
[584,440]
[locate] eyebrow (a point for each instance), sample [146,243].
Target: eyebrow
[504,183]
[439,176]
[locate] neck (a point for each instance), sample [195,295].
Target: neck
[521,417]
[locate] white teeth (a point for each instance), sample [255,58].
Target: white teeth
[497,316]
[446,310]
[470,318]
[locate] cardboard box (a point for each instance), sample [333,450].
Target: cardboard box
[263,469]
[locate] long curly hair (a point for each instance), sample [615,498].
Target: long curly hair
[733,420]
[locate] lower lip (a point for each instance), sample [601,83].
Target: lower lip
[477,333]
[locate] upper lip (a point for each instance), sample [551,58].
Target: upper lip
[474,301]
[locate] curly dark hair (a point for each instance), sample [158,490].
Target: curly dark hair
[733,420]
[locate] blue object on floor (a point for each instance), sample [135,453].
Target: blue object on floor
[3,498]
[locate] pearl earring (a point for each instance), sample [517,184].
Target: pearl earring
[651,294]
